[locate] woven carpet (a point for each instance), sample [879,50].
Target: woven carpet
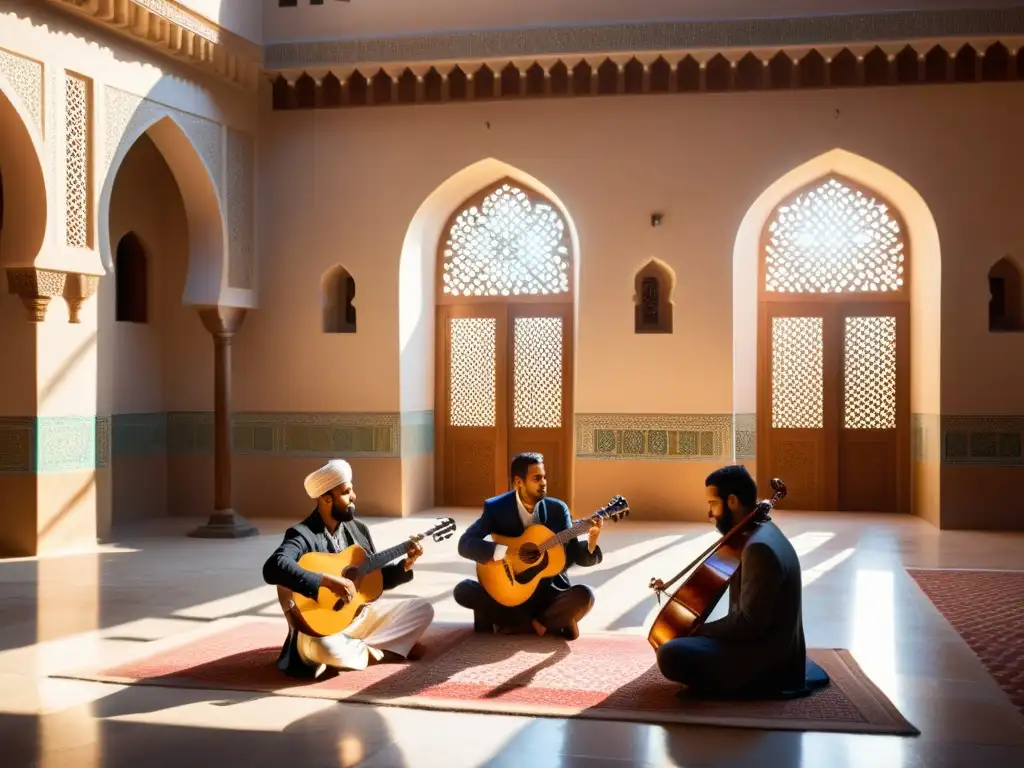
[603,676]
[987,609]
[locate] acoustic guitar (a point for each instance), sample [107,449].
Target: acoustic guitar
[328,614]
[536,554]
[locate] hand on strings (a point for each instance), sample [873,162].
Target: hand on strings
[339,585]
[414,554]
[594,533]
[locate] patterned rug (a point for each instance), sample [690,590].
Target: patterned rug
[603,676]
[987,609]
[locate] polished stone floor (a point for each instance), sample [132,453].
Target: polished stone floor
[58,613]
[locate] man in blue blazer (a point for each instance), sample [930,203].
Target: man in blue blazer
[556,605]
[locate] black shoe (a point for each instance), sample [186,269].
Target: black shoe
[482,625]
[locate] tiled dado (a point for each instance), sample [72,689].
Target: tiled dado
[670,437]
[53,444]
[983,440]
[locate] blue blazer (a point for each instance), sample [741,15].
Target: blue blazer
[501,516]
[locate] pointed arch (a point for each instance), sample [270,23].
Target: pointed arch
[1005,307]
[924,294]
[417,294]
[131,281]
[653,287]
[25,208]
[207,233]
[337,294]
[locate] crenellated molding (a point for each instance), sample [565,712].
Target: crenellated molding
[179,32]
[898,62]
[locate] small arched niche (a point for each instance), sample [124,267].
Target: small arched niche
[131,279]
[1004,304]
[338,290]
[652,298]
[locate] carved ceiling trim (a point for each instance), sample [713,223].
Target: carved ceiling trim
[919,62]
[653,37]
[179,32]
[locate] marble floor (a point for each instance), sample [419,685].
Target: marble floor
[59,613]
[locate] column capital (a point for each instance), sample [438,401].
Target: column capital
[222,321]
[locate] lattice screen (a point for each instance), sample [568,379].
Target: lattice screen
[472,373]
[537,345]
[508,246]
[869,386]
[76,154]
[797,373]
[834,239]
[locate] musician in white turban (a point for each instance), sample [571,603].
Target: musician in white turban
[382,631]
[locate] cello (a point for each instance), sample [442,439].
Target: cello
[691,604]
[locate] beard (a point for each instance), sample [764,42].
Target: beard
[343,514]
[725,523]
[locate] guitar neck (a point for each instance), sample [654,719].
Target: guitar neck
[563,538]
[380,559]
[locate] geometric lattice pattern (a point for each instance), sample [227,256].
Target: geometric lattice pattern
[537,342]
[472,372]
[508,246]
[985,608]
[798,400]
[869,382]
[76,155]
[834,239]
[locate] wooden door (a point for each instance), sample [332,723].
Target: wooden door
[504,386]
[834,404]
[540,390]
[472,376]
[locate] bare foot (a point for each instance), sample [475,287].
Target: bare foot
[539,628]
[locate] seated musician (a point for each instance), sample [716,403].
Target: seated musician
[556,606]
[382,631]
[758,649]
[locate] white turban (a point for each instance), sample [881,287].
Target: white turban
[334,473]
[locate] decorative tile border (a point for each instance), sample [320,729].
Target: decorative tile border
[650,36]
[417,433]
[53,444]
[746,436]
[327,435]
[983,440]
[667,437]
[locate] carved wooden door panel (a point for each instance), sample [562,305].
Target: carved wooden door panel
[473,372]
[540,392]
[834,404]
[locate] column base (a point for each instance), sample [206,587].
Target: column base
[225,524]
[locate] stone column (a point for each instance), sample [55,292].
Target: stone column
[224,523]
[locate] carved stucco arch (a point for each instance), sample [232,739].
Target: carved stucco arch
[200,193]
[22,161]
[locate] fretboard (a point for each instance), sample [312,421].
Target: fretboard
[379,560]
[561,539]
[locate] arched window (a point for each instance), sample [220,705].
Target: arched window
[834,386]
[338,291]
[509,244]
[1004,306]
[833,238]
[653,298]
[131,280]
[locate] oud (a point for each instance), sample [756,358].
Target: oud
[328,614]
[536,554]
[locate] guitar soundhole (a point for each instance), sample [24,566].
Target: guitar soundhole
[529,553]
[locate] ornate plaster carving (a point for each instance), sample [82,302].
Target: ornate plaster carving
[26,78]
[179,32]
[653,36]
[241,203]
[125,113]
[36,287]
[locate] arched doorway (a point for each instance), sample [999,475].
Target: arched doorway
[833,350]
[504,351]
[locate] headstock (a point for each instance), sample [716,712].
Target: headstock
[615,509]
[444,529]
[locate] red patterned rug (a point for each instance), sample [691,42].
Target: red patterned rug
[603,676]
[987,609]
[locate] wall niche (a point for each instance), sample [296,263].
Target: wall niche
[652,298]
[1004,304]
[338,291]
[131,281]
